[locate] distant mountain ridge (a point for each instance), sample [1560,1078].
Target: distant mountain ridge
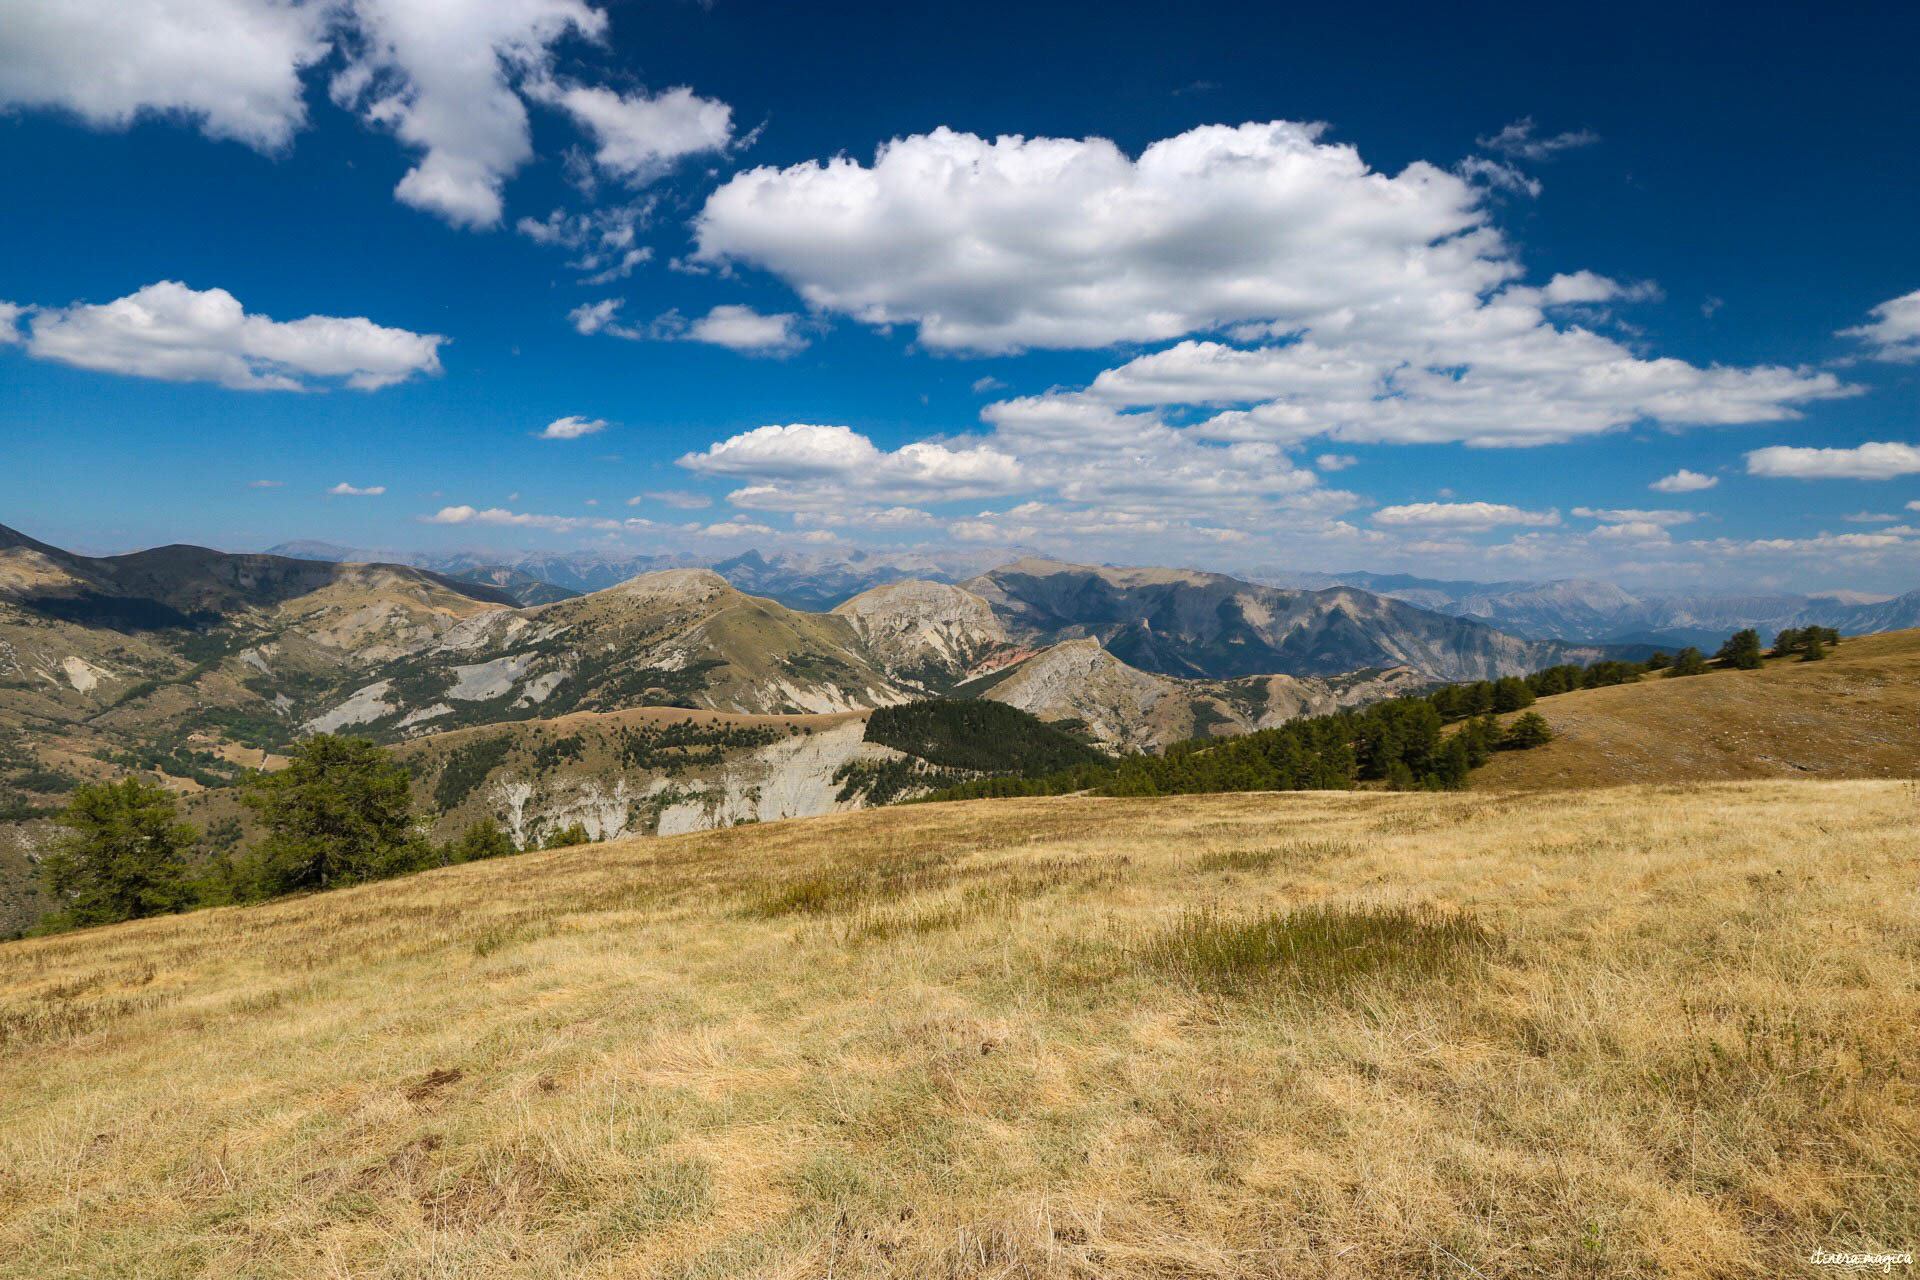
[1196,625]
[812,581]
[1595,611]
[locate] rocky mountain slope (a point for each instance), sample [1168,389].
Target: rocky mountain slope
[1210,626]
[1125,709]
[680,637]
[929,635]
[193,654]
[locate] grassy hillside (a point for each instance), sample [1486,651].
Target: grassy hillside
[1854,715]
[1629,1032]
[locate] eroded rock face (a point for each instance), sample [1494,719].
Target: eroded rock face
[789,779]
[1123,708]
[792,777]
[367,704]
[920,629]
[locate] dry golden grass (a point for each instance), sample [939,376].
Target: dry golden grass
[1616,1033]
[1850,716]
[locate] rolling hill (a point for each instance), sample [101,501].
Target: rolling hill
[1653,1030]
[1854,715]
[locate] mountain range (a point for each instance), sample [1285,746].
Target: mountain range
[220,659]
[1583,610]
[1600,612]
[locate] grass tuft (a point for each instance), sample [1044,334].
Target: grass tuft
[1318,948]
[1252,861]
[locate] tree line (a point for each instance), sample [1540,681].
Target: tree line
[340,813]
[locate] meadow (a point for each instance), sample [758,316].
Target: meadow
[1642,1031]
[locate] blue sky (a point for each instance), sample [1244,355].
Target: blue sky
[1482,292]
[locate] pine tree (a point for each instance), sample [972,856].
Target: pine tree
[1530,730]
[1510,693]
[1688,662]
[123,855]
[1741,651]
[339,813]
[1814,649]
[483,839]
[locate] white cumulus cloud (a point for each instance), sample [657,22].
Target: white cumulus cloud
[805,452]
[1684,481]
[345,490]
[176,333]
[1894,331]
[638,137]
[1875,460]
[1049,242]
[1363,306]
[572,427]
[441,77]
[230,66]
[745,330]
[1461,515]
[449,78]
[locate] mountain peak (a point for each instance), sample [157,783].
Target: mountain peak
[672,586]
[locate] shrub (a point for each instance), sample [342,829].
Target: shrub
[1688,662]
[481,840]
[568,836]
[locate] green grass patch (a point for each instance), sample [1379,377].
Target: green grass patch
[1317,948]
[1253,861]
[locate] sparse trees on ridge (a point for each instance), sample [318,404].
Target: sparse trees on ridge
[1811,641]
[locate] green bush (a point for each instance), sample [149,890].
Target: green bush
[1741,651]
[481,840]
[568,836]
